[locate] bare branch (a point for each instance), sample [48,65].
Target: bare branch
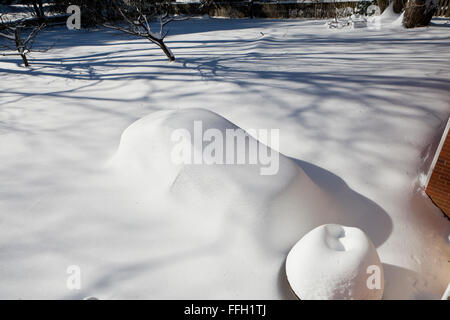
[33,33]
[7,36]
[136,18]
[23,41]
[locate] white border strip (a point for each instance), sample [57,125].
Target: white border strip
[438,152]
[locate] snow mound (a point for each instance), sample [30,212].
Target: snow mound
[148,149]
[388,15]
[280,207]
[333,262]
[399,21]
[389,18]
[446,295]
[275,209]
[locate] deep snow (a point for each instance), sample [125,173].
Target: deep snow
[356,110]
[353,257]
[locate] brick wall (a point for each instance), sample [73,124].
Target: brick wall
[438,188]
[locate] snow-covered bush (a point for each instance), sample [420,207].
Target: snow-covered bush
[363,6]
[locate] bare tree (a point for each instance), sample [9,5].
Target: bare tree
[140,18]
[17,38]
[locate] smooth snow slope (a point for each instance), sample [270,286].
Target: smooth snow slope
[358,107]
[271,211]
[276,209]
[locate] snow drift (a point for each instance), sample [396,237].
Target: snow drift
[279,208]
[284,205]
[355,126]
[334,262]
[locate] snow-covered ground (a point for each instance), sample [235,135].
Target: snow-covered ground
[357,109]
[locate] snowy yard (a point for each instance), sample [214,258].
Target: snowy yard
[357,109]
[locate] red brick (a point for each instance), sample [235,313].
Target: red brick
[438,188]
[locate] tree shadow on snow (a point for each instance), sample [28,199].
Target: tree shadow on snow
[284,288]
[358,211]
[399,284]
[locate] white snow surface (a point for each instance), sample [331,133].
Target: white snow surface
[386,20]
[388,15]
[389,18]
[333,262]
[357,111]
[277,209]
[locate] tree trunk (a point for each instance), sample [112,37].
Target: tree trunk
[418,13]
[25,60]
[39,10]
[382,4]
[36,10]
[398,6]
[20,46]
[166,50]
